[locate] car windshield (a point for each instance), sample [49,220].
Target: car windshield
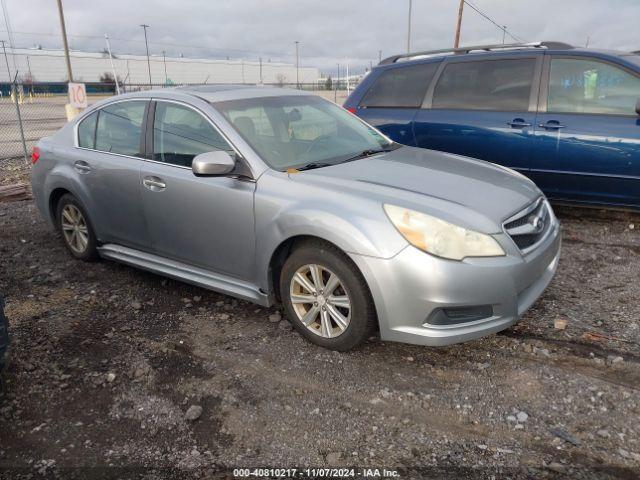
[297,131]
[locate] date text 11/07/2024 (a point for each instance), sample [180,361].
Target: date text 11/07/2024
[315,473]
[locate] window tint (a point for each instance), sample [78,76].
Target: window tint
[486,85]
[588,86]
[87,131]
[119,127]
[400,87]
[180,133]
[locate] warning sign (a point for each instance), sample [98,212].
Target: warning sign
[77,95]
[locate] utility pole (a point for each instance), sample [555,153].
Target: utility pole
[409,29]
[164,60]
[12,43]
[144,26]
[456,42]
[64,40]
[297,66]
[113,69]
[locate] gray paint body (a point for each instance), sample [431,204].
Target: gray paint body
[222,232]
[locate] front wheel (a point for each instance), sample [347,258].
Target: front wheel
[326,298]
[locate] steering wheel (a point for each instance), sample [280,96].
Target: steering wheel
[315,142]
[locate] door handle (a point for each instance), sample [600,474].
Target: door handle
[518,123]
[551,125]
[82,166]
[154,184]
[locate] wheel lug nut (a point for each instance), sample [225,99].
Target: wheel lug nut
[315,294]
[315,304]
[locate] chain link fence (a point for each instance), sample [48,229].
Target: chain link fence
[35,110]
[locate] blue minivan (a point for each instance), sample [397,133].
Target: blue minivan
[568,118]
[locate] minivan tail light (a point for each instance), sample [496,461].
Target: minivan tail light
[35,154]
[351,110]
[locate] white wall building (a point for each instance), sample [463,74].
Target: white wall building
[50,66]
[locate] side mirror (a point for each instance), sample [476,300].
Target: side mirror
[638,106]
[213,163]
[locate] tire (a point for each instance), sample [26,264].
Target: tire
[86,250]
[315,259]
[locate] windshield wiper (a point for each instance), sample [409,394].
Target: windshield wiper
[312,165]
[372,151]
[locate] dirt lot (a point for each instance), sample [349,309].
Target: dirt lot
[109,363]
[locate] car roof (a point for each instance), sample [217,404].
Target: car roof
[219,93]
[209,93]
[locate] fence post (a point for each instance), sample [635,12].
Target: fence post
[15,100]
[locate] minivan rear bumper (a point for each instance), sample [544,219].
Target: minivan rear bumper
[410,289]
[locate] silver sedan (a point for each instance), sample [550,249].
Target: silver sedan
[278,196]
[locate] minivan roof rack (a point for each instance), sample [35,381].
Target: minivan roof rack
[462,50]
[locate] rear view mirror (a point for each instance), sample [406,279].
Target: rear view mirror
[638,106]
[213,163]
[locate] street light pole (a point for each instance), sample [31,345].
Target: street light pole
[456,42]
[297,66]
[113,68]
[409,29]
[504,32]
[64,40]
[164,60]
[144,26]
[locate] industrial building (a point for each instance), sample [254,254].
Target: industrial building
[40,65]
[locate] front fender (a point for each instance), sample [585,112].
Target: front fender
[354,225]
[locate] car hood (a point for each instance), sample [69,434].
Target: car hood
[429,180]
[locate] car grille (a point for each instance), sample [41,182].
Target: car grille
[530,226]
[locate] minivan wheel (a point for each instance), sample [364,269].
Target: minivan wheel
[75,228]
[326,298]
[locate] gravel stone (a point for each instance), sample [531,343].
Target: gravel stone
[193,413]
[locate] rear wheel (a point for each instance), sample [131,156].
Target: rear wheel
[75,228]
[326,297]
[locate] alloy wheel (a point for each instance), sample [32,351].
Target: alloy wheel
[74,228]
[320,300]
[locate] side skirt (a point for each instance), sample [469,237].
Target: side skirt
[184,272]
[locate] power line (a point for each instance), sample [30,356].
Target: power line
[487,17]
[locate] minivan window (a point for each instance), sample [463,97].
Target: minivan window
[180,133]
[87,131]
[503,85]
[119,128]
[402,87]
[590,86]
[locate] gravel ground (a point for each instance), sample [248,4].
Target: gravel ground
[118,373]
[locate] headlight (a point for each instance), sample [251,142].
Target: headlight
[440,238]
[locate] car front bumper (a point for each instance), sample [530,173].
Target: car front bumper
[410,287]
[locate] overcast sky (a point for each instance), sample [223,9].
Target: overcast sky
[329,31]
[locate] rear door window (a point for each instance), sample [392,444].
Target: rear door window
[591,86]
[503,85]
[119,128]
[401,87]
